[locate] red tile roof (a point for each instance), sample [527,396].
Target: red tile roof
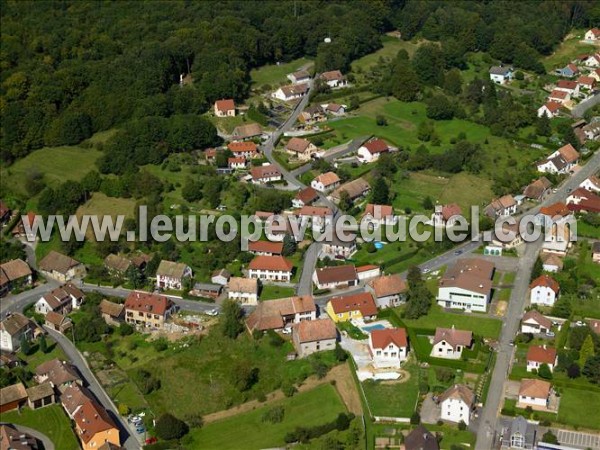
[328,178]
[567,84]
[319,211]
[556,209]
[242,147]
[92,419]
[275,263]
[538,317]
[376,146]
[362,302]
[315,330]
[558,94]
[388,285]
[265,247]
[383,338]
[225,105]
[268,171]
[534,388]
[336,274]
[453,336]
[378,212]
[307,195]
[545,281]
[148,303]
[450,210]
[541,354]
[569,153]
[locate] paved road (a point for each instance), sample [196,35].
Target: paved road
[579,110]
[45,440]
[489,415]
[127,438]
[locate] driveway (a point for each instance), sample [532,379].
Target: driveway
[360,352]
[430,411]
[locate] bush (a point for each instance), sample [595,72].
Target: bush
[289,389]
[194,421]
[170,427]
[371,247]
[125,329]
[274,415]
[415,419]
[160,345]
[124,409]
[462,426]
[304,435]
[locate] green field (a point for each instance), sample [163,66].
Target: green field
[392,399]
[270,292]
[248,431]
[56,163]
[51,421]
[390,49]
[437,317]
[570,48]
[274,74]
[580,407]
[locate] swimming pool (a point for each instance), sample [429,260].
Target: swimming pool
[377,326]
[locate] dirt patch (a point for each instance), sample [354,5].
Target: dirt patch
[404,377]
[344,384]
[501,308]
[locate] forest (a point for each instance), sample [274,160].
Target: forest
[73,68]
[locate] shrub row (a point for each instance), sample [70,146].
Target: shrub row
[305,434]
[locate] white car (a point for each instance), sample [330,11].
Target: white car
[287,330]
[550,334]
[213,312]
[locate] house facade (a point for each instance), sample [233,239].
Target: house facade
[14,328]
[561,161]
[62,300]
[355,306]
[281,313]
[312,336]
[535,322]
[534,393]
[60,267]
[501,74]
[147,310]
[371,150]
[448,343]
[335,277]
[337,248]
[171,275]
[301,148]
[457,403]
[270,268]
[446,215]
[388,347]
[268,173]
[224,108]
[379,215]
[14,273]
[244,290]
[544,291]
[389,291]
[467,285]
[325,182]
[540,354]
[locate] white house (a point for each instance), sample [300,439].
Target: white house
[592,34]
[244,290]
[535,322]
[378,215]
[388,290]
[368,272]
[448,343]
[291,92]
[500,207]
[456,404]
[445,215]
[550,109]
[265,174]
[221,277]
[335,277]
[561,161]
[569,86]
[244,149]
[270,268]
[540,354]
[225,108]
[371,150]
[171,275]
[591,184]
[326,182]
[336,248]
[592,60]
[467,285]
[13,329]
[277,314]
[544,291]
[551,262]
[534,393]
[237,163]
[334,79]
[316,216]
[305,197]
[300,76]
[388,347]
[62,300]
[558,96]
[501,74]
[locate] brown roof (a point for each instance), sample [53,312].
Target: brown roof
[453,337]
[14,323]
[315,330]
[421,439]
[297,145]
[12,393]
[294,89]
[588,81]
[275,248]
[450,210]
[336,274]
[244,285]
[558,94]
[111,309]
[301,74]
[171,269]
[13,439]
[242,147]
[536,189]
[383,338]
[354,188]
[552,260]
[472,274]
[333,107]
[58,372]
[568,153]
[268,171]
[556,209]
[40,391]
[376,146]
[307,195]
[328,178]
[73,397]
[320,211]
[62,295]
[268,315]
[378,212]
[461,392]
[225,105]
[15,269]
[503,202]
[567,84]
[117,262]
[141,259]
[541,354]
[57,262]
[276,263]
[552,106]
[56,319]
[247,131]
[147,302]
[92,419]
[545,281]
[538,317]
[332,75]
[238,160]
[362,302]
[534,388]
[388,285]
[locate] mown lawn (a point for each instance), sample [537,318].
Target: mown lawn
[478,324]
[270,292]
[580,407]
[390,49]
[51,421]
[57,164]
[274,74]
[248,430]
[392,399]
[38,357]
[568,50]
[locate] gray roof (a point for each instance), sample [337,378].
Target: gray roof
[207,287]
[500,70]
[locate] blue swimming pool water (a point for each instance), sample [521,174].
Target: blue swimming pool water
[378,245]
[377,326]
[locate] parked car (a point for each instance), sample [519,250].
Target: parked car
[213,312]
[550,334]
[458,252]
[140,430]
[287,330]
[580,323]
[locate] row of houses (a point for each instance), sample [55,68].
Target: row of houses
[300,84]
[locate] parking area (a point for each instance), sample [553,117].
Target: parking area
[578,440]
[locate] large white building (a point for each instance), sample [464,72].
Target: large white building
[540,354]
[534,393]
[370,151]
[13,329]
[325,182]
[457,403]
[244,290]
[467,285]
[388,347]
[544,291]
[270,268]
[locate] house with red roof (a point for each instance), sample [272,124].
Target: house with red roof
[335,277]
[225,108]
[569,86]
[550,109]
[558,96]
[359,306]
[270,268]
[540,354]
[237,163]
[544,291]
[561,161]
[334,79]
[535,322]
[388,347]
[243,149]
[445,215]
[370,151]
[389,290]
[266,248]
[325,182]
[586,82]
[379,215]
[148,310]
[592,60]
[312,336]
[305,197]
[316,216]
[582,200]
[449,343]
[265,174]
[592,34]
